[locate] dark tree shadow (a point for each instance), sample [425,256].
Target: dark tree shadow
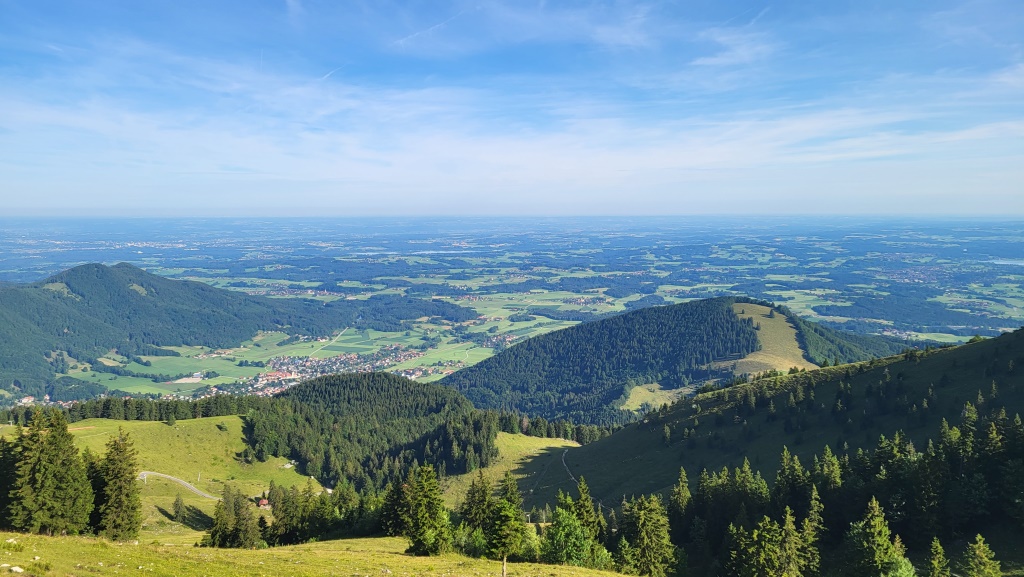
[194,519]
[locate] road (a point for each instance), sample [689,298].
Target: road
[186,484]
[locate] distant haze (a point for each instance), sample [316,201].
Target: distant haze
[608,107]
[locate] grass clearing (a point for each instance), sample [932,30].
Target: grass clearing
[651,394]
[780,349]
[516,453]
[195,450]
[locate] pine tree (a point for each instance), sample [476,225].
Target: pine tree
[644,528]
[509,490]
[506,532]
[121,512]
[584,509]
[476,509]
[179,509]
[979,560]
[875,551]
[52,493]
[810,534]
[429,524]
[8,470]
[938,566]
[394,513]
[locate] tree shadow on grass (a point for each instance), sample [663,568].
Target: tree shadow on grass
[194,518]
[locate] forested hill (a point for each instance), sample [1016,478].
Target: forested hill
[580,372]
[88,310]
[848,407]
[823,345]
[368,428]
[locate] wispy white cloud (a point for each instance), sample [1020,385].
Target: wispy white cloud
[737,47]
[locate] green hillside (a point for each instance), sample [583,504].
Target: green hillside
[588,372]
[582,371]
[84,312]
[379,556]
[911,392]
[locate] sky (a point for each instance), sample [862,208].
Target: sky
[491,107]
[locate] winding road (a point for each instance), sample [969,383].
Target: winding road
[186,484]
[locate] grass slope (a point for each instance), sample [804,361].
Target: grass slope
[194,450]
[780,347]
[780,351]
[636,459]
[527,457]
[378,556]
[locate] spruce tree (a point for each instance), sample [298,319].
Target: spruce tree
[429,524]
[506,532]
[8,470]
[24,508]
[509,490]
[678,503]
[938,565]
[394,512]
[179,509]
[644,529]
[476,509]
[584,509]
[875,551]
[810,534]
[52,493]
[121,512]
[979,560]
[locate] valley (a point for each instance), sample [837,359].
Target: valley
[534,377]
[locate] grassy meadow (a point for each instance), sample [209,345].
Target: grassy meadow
[61,556]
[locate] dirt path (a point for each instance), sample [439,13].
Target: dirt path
[574,480]
[186,484]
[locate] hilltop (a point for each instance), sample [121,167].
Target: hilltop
[87,311]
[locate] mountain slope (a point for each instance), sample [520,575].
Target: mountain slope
[90,309]
[849,405]
[580,372]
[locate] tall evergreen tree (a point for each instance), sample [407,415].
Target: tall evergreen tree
[429,524]
[52,493]
[509,490]
[979,560]
[476,509]
[8,471]
[179,509]
[938,565]
[644,528]
[875,551]
[584,509]
[678,502]
[121,511]
[394,512]
[505,533]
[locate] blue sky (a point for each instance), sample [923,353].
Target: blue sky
[320,108]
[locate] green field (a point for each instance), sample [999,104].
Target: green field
[364,557]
